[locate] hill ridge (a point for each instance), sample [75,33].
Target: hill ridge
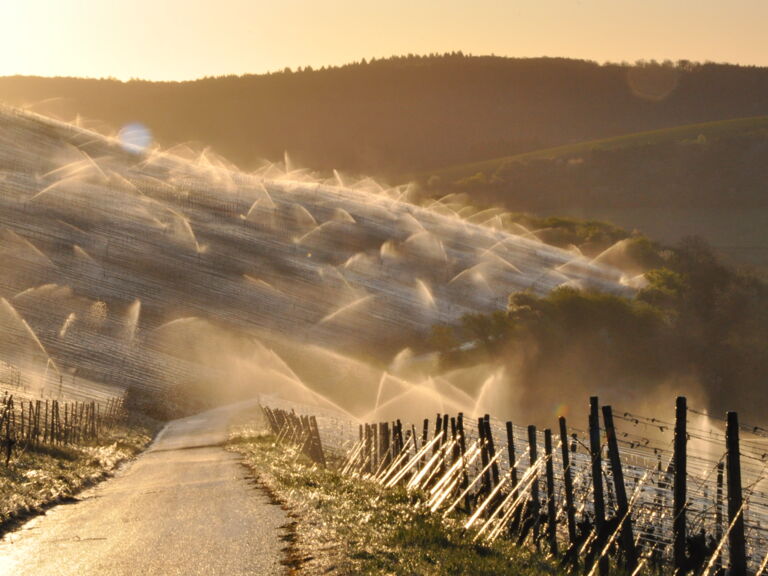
[404,115]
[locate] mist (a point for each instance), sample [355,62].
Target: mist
[177,276]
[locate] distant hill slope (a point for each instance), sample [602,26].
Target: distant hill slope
[735,128]
[706,179]
[408,115]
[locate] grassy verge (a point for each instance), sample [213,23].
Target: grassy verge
[38,478]
[346,526]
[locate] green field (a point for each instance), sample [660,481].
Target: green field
[689,132]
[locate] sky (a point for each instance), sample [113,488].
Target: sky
[187,39]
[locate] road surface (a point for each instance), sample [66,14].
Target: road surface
[184,507]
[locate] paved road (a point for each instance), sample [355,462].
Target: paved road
[184,507]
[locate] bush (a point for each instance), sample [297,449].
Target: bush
[696,318]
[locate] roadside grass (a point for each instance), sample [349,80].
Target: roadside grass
[348,526]
[39,477]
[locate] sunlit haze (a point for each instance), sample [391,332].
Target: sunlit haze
[383,287]
[186,39]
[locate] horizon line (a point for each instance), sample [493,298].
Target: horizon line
[376,60]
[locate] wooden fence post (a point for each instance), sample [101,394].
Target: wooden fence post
[680,484]
[438,429]
[627,536]
[456,452]
[512,456]
[597,481]
[570,509]
[393,449]
[38,406]
[305,437]
[318,444]
[9,439]
[444,439]
[551,512]
[272,418]
[535,501]
[491,450]
[484,456]
[56,420]
[443,444]
[399,436]
[46,429]
[367,469]
[67,422]
[463,448]
[719,511]
[736,544]
[386,447]
[376,448]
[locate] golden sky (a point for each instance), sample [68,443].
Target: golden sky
[186,39]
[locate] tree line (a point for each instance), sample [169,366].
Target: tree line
[698,324]
[405,115]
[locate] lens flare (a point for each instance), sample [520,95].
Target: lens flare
[135,137]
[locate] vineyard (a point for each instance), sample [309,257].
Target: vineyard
[31,417]
[645,495]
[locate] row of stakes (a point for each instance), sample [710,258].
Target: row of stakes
[34,423]
[301,431]
[510,505]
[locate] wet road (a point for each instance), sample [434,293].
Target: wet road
[184,507]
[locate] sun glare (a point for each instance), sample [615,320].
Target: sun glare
[183,39]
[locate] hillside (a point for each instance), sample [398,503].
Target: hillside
[139,268]
[734,128]
[407,115]
[703,179]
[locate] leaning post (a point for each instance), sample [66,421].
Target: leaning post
[318,444]
[627,536]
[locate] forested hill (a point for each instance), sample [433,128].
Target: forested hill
[407,115]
